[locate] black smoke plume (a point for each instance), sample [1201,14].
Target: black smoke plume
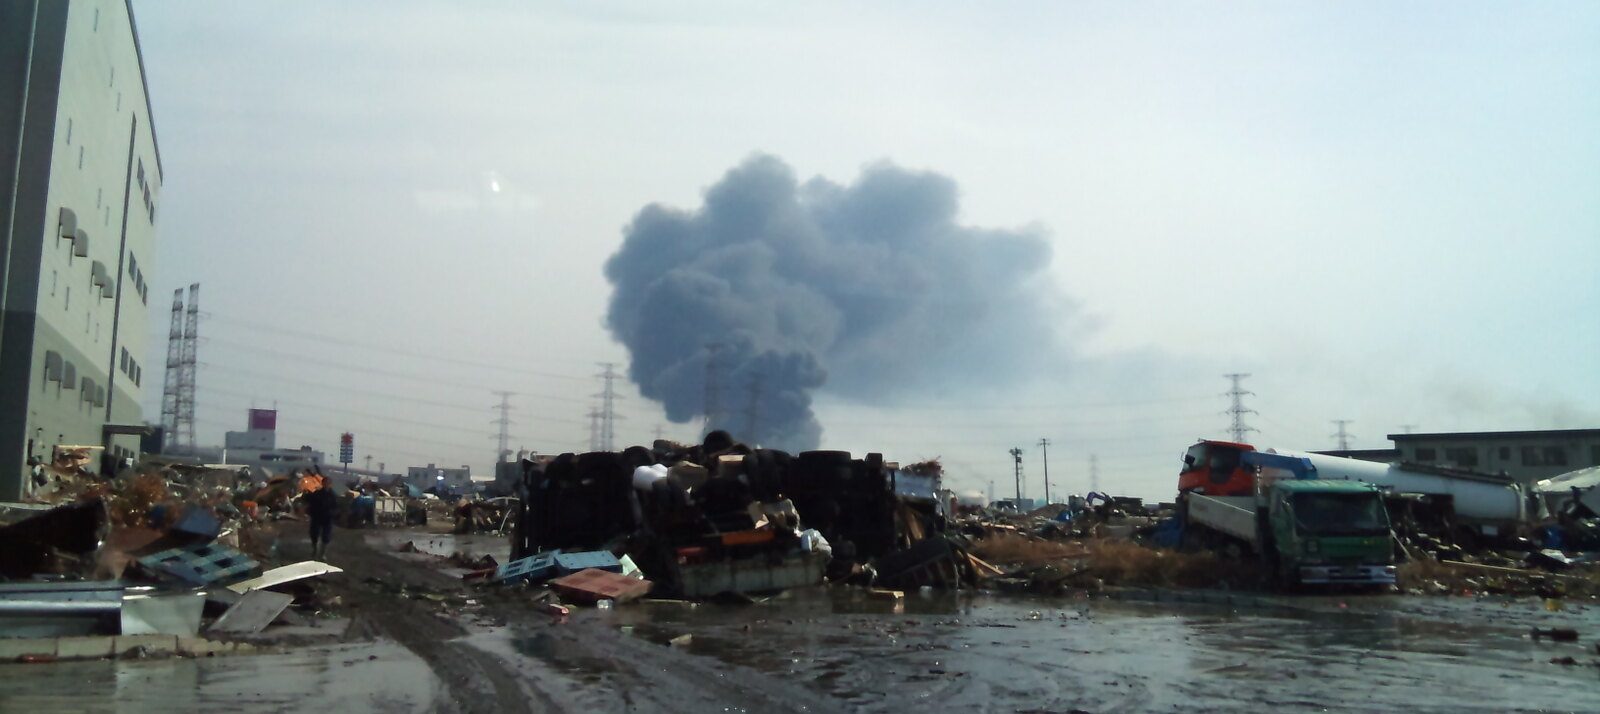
[870,291]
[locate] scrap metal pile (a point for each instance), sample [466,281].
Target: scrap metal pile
[146,553]
[721,517]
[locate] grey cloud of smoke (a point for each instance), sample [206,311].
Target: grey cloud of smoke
[870,290]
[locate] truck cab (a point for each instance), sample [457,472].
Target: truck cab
[1216,468]
[1329,532]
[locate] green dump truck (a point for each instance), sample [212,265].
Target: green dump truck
[1306,531]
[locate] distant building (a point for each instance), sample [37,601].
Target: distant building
[1527,456]
[78,199]
[257,447]
[430,476]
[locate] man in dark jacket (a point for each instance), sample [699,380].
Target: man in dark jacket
[321,506]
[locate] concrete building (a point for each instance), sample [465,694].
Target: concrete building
[80,183]
[430,476]
[1527,456]
[257,447]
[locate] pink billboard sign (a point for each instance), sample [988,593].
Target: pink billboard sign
[263,420]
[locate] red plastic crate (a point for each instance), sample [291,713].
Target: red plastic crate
[590,586]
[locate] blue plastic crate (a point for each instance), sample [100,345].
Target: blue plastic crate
[534,567]
[201,564]
[598,559]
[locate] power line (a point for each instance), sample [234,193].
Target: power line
[169,389]
[608,411]
[503,440]
[347,389]
[1016,458]
[1342,435]
[369,415]
[1044,447]
[183,433]
[1238,410]
[365,369]
[387,349]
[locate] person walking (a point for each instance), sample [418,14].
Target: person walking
[321,505]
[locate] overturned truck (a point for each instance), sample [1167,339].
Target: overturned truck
[705,520]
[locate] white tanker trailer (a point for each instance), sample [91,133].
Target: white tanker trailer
[1489,504]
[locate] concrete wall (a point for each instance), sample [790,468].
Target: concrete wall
[85,142]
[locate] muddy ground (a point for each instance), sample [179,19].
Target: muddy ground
[413,638]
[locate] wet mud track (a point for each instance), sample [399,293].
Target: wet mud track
[835,649]
[421,641]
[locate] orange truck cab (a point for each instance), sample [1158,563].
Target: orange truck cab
[1213,468]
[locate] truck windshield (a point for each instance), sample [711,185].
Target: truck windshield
[1340,514]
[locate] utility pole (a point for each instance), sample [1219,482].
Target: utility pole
[752,414]
[1016,458]
[503,440]
[608,411]
[1044,448]
[660,432]
[1238,410]
[369,462]
[712,402]
[1094,473]
[1342,435]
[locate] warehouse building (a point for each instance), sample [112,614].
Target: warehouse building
[1527,456]
[80,184]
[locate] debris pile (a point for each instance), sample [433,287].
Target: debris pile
[723,518]
[154,551]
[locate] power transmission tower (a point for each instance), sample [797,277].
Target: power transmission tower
[752,413]
[712,404]
[1044,447]
[1016,458]
[503,439]
[169,389]
[660,432]
[1094,473]
[1342,435]
[1238,410]
[184,433]
[608,407]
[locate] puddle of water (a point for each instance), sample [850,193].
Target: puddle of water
[958,649]
[359,677]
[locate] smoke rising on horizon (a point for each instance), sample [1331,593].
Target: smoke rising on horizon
[870,290]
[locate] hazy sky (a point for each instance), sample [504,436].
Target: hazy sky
[1388,213]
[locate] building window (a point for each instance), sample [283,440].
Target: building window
[69,131]
[1462,456]
[67,303]
[1594,454]
[1505,453]
[99,194]
[96,20]
[113,80]
[80,157]
[54,278]
[119,101]
[1426,454]
[124,366]
[1544,456]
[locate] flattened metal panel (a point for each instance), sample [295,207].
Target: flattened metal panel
[164,614]
[285,574]
[253,612]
